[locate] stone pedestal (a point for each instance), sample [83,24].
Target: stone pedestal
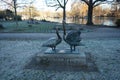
[62,57]
[61,51]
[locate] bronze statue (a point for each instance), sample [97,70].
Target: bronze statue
[73,39]
[53,42]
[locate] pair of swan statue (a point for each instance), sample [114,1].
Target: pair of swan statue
[72,38]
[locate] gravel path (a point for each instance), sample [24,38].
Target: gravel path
[97,33]
[16,52]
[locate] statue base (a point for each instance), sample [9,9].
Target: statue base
[62,57]
[58,51]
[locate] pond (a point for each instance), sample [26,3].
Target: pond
[109,21]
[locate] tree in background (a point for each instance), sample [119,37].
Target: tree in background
[14,5]
[78,9]
[106,12]
[30,12]
[97,11]
[34,12]
[2,15]
[59,4]
[8,14]
[115,8]
[91,4]
[75,10]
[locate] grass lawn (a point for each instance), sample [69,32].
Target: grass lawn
[25,27]
[41,27]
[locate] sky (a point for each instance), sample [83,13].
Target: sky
[41,4]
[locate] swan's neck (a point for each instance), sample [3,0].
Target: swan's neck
[58,34]
[64,36]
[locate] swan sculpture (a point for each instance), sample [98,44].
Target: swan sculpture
[53,42]
[73,39]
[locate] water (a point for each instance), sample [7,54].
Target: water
[109,21]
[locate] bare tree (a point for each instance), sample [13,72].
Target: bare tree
[59,4]
[15,9]
[97,11]
[15,5]
[115,9]
[91,4]
[78,9]
[30,12]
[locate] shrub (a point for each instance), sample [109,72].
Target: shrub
[29,25]
[1,26]
[118,22]
[43,20]
[18,18]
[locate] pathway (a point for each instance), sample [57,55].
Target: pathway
[97,33]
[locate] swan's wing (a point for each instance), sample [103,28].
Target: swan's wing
[50,42]
[73,36]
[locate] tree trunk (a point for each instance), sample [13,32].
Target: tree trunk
[64,18]
[15,13]
[90,14]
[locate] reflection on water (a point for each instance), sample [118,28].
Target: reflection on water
[110,21]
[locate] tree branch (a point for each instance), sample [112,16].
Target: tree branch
[95,1]
[86,2]
[66,2]
[56,4]
[96,4]
[57,8]
[53,5]
[23,3]
[100,1]
[60,4]
[7,3]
